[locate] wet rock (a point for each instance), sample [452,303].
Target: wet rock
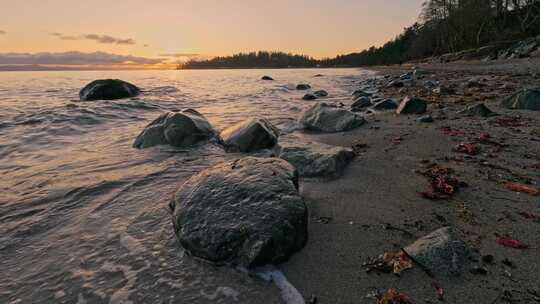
[326,118]
[309,96]
[267,78]
[361,103]
[441,251]
[320,93]
[303,86]
[247,212]
[412,105]
[108,89]
[250,135]
[480,110]
[387,104]
[425,119]
[316,159]
[360,93]
[179,129]
[526,99]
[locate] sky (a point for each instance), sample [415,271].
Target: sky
[143,32]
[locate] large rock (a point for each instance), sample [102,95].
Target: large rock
[179,129]
[246,212]
[480,110]
[316,159]
[441,251]
[249,135]
[326,118]
[526,99]
[412,105]
[108,89]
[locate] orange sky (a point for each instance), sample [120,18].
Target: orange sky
[152,28]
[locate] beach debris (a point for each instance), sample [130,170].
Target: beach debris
[522,189]
[393,296]
[439,290]
[267,78]
[508,241]
[412,105]
[249,135]
[326,118]
[467,148]
[442,184]
[397,140]
[309,96]
[526,99]
[394,262]
[452,132]
[530,216]
[303,86]
[439,253]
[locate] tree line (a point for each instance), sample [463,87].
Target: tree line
[444,26]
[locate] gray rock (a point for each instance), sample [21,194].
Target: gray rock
[395,84]
[360,93]
[309,96]
[247,212]
[526,99]
[267,78]
[387,104]
[360,103]
[179,129]
[303,86]
[441,251]
[320,93]
[249,135]
[480,110]
[412,105]
[108,89]
[425,119]
[316,159]
[326,118]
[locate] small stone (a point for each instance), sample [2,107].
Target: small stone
[303,86]
[425,119]
[320,93]
[267,78]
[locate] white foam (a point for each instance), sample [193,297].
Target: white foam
[289,293]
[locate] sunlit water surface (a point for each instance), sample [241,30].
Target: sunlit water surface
[83,215]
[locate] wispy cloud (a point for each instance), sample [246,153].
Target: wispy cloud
[3,32]
[75,58]
[179,55]
[106,39]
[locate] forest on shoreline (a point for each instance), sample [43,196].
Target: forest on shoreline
[444,26]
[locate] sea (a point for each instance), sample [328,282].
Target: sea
[84,216]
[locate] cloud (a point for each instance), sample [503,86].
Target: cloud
[106,39]
[179,55]
[75,58]
[3,32]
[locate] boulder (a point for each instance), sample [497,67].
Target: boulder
[179,129]
[477,110]
[246,212]
[108,89]
[327,118]
[526,99]
[387,104]
[441,251]
[316,159]
[303,86]
[309,96]
[267,78]
[412,105]
[320,93]
[250,135]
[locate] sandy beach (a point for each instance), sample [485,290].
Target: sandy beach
[376,207]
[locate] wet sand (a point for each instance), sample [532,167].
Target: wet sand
[350,216]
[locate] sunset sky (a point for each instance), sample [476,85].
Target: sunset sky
[151,32]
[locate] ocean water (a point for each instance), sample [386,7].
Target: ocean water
[83,215]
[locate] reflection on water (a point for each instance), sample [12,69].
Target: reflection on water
[83,216]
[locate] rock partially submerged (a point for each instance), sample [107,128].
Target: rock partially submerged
[327,118]
[108,89]
[267,78]
[526,99]
[316,159]
[179,129]
[441,251]
[249,135]
[480,110]
[412,105]
[303,86]
[247,212]
[309,96]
